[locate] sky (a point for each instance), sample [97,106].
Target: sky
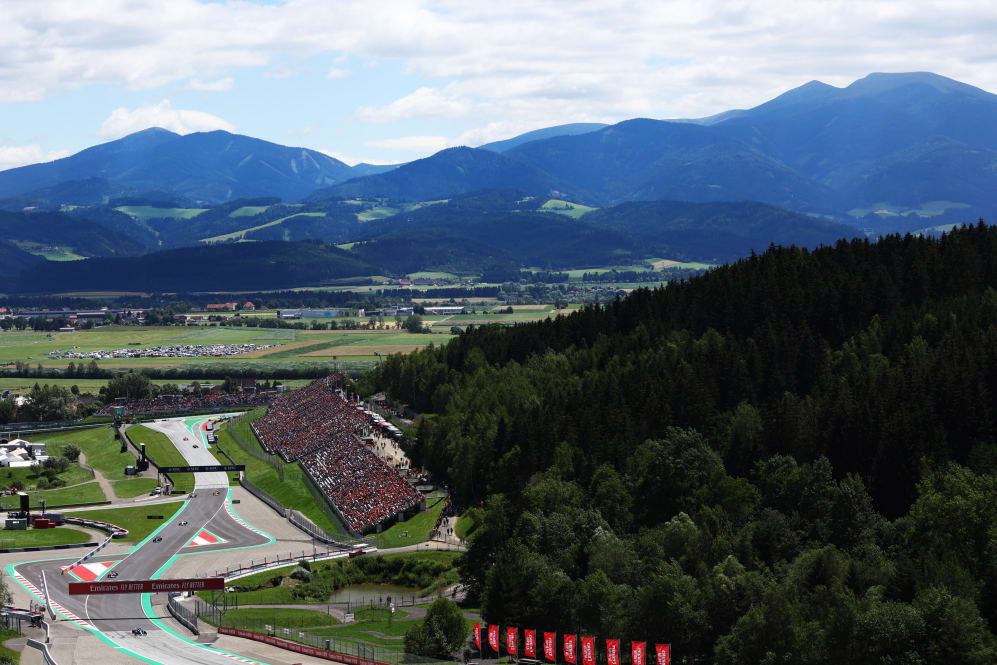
[392,80]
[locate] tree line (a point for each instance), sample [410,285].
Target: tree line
[788,459]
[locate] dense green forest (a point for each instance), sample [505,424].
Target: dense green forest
[790,459]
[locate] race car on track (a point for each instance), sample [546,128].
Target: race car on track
[216,493]
[138,631]
[112,574]
[183,523]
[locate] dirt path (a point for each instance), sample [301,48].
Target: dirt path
[105,484]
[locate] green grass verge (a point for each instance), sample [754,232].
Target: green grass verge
[8,634]
[410,532]
[159,447]
[133,518]
[85,493]
[40,537]
[468,523]
[126,489]
[102,450]
[567,208]
[292,491]
[253,618]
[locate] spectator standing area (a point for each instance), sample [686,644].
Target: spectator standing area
[318,427]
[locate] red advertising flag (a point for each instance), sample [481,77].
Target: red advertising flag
[588,651]
[493,638]
[477,635]
[664,653]
[637,652]
[549,648]
[530,643]
[510,640]
[613,652]
[569,649]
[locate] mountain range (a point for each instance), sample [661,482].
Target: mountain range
[886,145]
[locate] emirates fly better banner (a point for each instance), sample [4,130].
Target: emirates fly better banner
[588,651]
[477,635]
[569,650]
[550,651]
[638,652]
[493,638]
[664,653]
[613,652]
[510,641]
[530,643]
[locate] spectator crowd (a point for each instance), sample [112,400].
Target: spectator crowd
[319,428]
[187,402]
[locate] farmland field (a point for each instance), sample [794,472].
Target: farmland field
[573,210]
[143,213]
[33,347]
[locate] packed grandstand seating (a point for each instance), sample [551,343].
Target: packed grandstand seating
[303,420]
[319,428]
[188,402]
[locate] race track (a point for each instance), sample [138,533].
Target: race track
[115,615]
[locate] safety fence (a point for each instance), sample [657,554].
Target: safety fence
[364,654]
[184,616]
[272,460]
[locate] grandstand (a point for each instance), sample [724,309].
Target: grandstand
[318,427]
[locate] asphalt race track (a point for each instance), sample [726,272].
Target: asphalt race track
[115,615]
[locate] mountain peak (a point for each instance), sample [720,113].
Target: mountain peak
[881,82]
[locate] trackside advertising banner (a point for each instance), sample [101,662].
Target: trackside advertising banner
[493,640]
[664,652]
[588,651]
[477,635]
[530,643]
[550,650]
[569,650]
[510,640]
[638,652]
[613,652]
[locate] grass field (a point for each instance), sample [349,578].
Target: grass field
[159,447]
[292,491]
[85,493]
[143,213]
[27,478]
[468,523]
[248,211]
[127,489]
[101,449]
[133,518]
[241,234]
[573,210]
[253,618]
[410,532]
[42,537]
[6,634]
[34,347]
[428,274]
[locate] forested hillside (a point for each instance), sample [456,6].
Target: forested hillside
[790,459]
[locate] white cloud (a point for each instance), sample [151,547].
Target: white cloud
[423,103]
[12,156]
[221,85]
[523,63]
[422,144]
[124,121]
[337,73]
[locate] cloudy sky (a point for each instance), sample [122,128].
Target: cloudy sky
[391,80]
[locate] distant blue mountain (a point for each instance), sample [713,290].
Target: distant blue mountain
[206,166]
[545,133]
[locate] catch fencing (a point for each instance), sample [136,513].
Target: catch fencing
[272,460]
[183,615]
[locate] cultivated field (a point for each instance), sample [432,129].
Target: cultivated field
[298,345]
